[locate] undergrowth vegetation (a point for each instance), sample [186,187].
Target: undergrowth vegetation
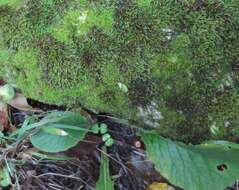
[177,58]
[211,165]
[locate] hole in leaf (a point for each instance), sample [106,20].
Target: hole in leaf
[222,167]
[137,144]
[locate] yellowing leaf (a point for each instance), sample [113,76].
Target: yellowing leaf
[160,186]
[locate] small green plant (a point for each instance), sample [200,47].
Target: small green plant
[55,132]
[105,181]
[103,130]
[182,165]
[62,130]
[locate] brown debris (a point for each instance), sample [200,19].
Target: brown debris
[4,120]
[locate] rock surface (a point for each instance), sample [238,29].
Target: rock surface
[123,56]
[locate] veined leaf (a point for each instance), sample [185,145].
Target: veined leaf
[67,130]
[55,117]
[30,124]
[226,144]
[55,131]
[105,182]
[65,117]
[65,126]
[50,142]
[191,167]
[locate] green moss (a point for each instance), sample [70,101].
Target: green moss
[79,22]
[144,3]
[129,58]
[23,68]
[11,3]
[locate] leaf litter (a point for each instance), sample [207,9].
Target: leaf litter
[129,167]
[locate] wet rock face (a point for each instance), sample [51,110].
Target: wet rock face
[160,64]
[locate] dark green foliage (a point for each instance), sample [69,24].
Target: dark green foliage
[180,57]
[183,164]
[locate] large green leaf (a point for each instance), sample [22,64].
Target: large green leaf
[105,182]
[65,117]
[222,142]
[61,117]
[202,167]
[65,132]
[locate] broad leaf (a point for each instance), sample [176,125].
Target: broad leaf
[55,131]
[65,117]
[224,143]
[68,118]
[65,132]
[202,167]
[105,182]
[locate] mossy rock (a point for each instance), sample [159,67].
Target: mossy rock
[172,65]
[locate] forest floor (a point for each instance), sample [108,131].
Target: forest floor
[129,167]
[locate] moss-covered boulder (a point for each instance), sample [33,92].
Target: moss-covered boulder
[170,64]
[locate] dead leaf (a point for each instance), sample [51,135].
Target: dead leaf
[20,102]
[160,186]
[27,154]
[4,120]
[2,82]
